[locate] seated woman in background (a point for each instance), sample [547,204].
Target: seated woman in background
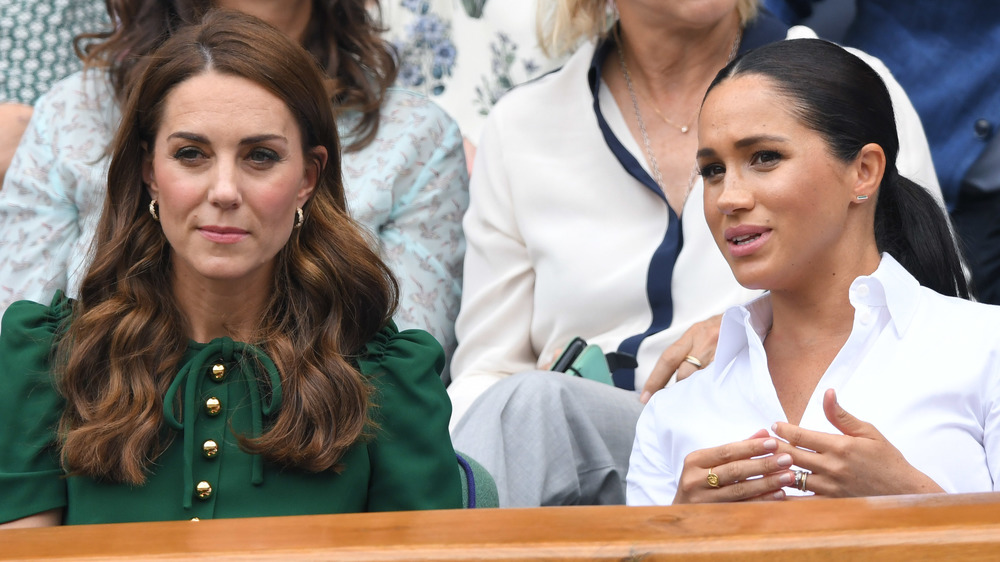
[232,352]
[404,167]
[861,319]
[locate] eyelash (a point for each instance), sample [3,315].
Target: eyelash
[258,156]
[709,171]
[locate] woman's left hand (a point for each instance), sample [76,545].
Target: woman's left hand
[861,462]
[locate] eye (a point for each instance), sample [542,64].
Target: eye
[188,154]
[263,157]
[711,171]
[765,158]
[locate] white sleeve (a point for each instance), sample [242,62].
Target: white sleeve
[494,320]
[651,479]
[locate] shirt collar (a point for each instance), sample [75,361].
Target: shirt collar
[890,286]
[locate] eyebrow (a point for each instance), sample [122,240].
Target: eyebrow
[743,143]
[194,137]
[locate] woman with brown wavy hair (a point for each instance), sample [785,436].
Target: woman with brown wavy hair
[232,351]
[404,169]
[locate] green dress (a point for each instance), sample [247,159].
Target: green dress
[409,462]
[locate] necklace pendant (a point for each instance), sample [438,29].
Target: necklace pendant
[684,129]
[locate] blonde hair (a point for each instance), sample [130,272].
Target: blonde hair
[563,24]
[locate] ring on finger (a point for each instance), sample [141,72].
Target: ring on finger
[713,479]
[694,361]
[800,479]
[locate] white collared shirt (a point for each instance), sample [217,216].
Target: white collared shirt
[923,368]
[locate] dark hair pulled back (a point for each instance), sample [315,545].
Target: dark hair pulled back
[838,95]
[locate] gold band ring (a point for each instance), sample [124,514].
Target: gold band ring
[713,479]
[694,361]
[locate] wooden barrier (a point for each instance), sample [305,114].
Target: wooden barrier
[964,527]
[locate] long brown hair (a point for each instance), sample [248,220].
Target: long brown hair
[331,294]
[342,36]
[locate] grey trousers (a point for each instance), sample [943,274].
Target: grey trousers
[552,439]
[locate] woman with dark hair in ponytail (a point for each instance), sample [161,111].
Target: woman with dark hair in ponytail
[865,316]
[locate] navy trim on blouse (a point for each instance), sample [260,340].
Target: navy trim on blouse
[763,30]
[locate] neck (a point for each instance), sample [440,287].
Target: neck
[215,308]
[675,63]
[819,308]
[291,17]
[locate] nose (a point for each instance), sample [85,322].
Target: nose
[225,190]
[733,195]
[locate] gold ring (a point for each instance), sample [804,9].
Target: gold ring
[694,361]
[802,484]
[713,479]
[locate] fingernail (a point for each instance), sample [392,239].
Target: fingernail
[774,427]
[784,460]
[786,479]
[779,495]
[771,444]
[645,396]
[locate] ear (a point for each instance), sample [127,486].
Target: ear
[147,173]
[870,167]
[315,163]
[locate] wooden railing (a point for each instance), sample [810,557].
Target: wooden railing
[960,527]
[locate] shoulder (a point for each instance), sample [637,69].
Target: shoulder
[407,357]
[411,108]
[28,324]
[551,91]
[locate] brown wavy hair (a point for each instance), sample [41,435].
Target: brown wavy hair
[331,291]
[342,36]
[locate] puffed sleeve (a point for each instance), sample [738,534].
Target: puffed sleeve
[413,462]
[422,239]
[54,190]
[31,479]
[650,479]
[498,298]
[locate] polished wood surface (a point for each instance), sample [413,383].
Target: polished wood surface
[961,527]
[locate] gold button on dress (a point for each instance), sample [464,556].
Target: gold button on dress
[213,406]
[210,449]
[203,490]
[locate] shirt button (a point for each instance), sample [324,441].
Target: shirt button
[866,317]
[210,449]
[213,406]
[862,291]
[203,490]
[983,128]
[218,372]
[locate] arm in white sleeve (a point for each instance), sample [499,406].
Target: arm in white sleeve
[494,324]
[650,479]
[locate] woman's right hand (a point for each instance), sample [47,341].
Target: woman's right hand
[736,468]
[699,341]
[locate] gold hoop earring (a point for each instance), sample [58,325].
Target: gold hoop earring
[152,210]
[300,217]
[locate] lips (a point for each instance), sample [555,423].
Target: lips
[223,234]
[744,240]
